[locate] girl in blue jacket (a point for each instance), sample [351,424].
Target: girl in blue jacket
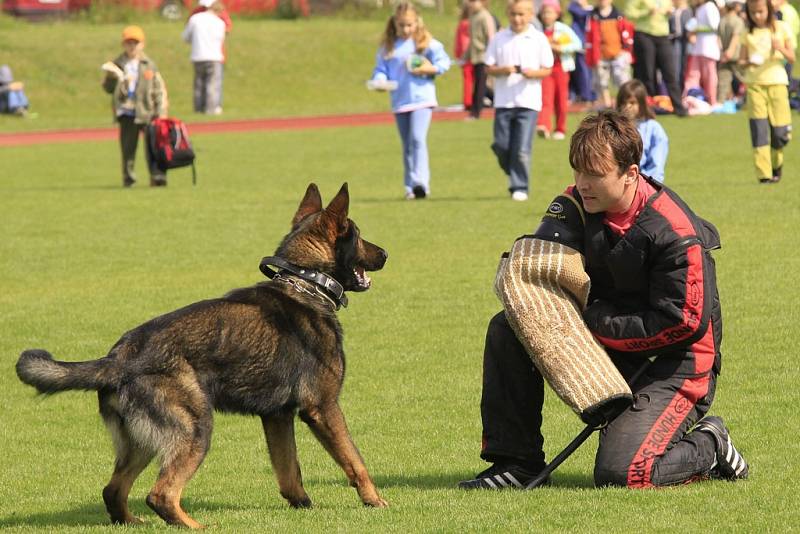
[632,101]
[410,57]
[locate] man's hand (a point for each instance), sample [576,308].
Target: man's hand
[597,313]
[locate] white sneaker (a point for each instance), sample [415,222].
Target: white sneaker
[519,196]
[558,136]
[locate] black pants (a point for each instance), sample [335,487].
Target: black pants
[656,53]
[478,89]
[128,141]
[645,446]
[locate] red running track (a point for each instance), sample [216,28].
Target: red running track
[245,125]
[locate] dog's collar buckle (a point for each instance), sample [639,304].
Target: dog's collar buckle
[325,284]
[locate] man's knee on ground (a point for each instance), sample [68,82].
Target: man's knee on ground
[610,471]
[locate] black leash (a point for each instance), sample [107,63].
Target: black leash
[578,440]
[326,284]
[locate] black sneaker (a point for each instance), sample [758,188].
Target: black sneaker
[730,465]
[419,191]
[500,476]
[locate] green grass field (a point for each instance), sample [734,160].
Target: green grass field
[82,261]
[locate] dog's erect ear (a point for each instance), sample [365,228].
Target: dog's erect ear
[339,206]
[311,203]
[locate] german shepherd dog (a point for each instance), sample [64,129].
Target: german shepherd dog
[272,350]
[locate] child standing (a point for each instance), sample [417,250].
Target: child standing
[481,30]
[730,28]
[580,81]
[788,14]
[138,95]
[221,11]
[609,48]
[704,52]
[679,37]
[460,51]
[410,56]
[518,58]
[632,101]
[766,45]
[555,87]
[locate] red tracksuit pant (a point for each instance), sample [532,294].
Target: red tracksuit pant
[555,91]
[468,78]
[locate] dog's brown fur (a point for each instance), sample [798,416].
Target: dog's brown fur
[269,350]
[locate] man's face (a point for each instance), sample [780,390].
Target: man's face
[520,15]
[607,192]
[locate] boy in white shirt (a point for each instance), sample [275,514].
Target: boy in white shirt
[518,57]
[205,31]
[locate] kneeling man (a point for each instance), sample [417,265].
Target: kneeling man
[653,294]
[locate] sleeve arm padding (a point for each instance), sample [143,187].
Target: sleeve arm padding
[543,286]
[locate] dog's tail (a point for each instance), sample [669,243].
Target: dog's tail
[37,368]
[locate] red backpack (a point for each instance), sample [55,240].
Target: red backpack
[169,144]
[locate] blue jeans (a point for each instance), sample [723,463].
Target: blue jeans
[413,128]
[513,142]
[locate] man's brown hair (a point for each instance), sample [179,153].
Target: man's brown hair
[604,139]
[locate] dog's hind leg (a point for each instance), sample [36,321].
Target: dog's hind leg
[328,425]
[165,497]
[130,462]
[279,431]
[171,415]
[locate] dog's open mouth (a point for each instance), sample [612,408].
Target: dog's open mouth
[362,279]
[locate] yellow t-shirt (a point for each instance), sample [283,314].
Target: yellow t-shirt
[771,71]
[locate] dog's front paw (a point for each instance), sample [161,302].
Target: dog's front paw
[377,502]
[304,502]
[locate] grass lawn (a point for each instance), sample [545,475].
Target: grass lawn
[82,261]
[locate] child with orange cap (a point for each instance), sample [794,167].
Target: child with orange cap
[138,95]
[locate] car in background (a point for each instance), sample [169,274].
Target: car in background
[169,9]
[36,9]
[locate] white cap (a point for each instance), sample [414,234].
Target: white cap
[207,3]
